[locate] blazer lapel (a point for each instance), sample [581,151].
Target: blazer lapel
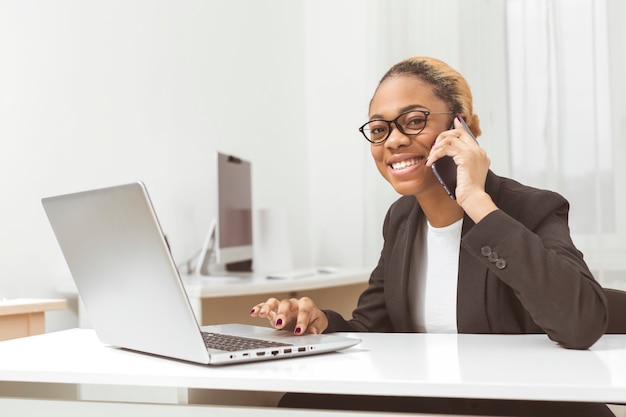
[397,280]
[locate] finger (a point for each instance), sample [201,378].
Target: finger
[319,324]
[306,316]
[443,146]
[286,313]
[255,310]
[448,138]
[264,309]
[451,143]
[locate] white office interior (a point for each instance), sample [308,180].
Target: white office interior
[100,93]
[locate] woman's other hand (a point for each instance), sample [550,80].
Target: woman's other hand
[298,315]
[472,166]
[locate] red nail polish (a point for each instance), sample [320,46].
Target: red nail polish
[279,322]
[298,330]
[252,311]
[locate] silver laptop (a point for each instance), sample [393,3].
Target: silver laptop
[132,291]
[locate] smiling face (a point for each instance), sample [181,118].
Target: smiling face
[401,159]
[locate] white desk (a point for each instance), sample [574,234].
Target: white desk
[526,367]
[218,300]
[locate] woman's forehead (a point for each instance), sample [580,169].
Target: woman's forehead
[401,91]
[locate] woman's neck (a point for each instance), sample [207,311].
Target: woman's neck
[440,211]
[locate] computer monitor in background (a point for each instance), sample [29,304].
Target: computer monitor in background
[229,241]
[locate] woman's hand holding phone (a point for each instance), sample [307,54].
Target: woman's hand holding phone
[464,180]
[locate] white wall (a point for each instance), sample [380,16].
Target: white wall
[94,93]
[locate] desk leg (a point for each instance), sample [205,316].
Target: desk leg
[13,326]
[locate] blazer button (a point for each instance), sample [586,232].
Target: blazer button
[493,257]
[501,263]
[485,251]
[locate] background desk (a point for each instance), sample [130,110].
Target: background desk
[526,367]
[217,300]
[26,316]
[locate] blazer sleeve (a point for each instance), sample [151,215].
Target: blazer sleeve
[372,312]
[527,245]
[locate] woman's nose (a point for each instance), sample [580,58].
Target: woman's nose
[396,138]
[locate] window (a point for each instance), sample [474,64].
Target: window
[563,119]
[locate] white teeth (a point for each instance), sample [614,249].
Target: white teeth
[404,164]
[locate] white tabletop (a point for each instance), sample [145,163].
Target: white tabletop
[253,284]
[470,366]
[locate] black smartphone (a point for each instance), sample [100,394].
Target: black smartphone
[445,168]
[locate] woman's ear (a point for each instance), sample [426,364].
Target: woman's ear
[473,123]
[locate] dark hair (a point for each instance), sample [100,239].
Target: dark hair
[448,85]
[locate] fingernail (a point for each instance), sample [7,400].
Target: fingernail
[252,311]
[298,330]
[279,322]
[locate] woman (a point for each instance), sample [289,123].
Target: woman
[497,259]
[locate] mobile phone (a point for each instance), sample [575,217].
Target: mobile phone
[445,168]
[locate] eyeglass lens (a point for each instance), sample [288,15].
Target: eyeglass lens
[409,123]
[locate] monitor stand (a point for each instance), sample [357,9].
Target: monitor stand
[241,266]
[207,259]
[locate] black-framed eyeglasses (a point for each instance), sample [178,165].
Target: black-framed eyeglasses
[408,123]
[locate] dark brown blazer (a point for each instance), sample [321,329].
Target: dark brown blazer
[519,272]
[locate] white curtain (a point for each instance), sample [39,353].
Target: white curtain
[548,83]
[561,118]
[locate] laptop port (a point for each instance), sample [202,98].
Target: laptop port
[287,351]
[260,353]
[274,352]
[301,349]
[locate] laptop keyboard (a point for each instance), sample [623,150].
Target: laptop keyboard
[234,343]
